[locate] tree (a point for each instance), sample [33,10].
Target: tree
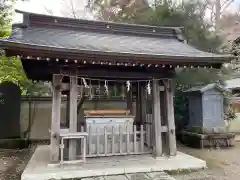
[190,16]
[117,10]
[74,9]
[229,27]
[103,9]
[229,31]
[11,67]
[217,9]
[234,48]
[5,12]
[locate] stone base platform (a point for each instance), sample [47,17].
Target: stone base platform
[39,167]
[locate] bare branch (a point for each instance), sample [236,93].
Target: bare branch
[73,9]
[210,8]
[227,3]
[224,7]
[49,11]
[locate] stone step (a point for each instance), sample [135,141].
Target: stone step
[136,176]
[159,176]
[94,178]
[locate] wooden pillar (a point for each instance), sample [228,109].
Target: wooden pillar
[56,117]
[138,104]
[170,118]
[157,119]
[163,102]
[67,110]
[73,115]
[129,101]
[143,102]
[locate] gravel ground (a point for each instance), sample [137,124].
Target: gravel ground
[223,164]
[13,162]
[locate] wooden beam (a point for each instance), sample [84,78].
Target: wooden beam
[28,50]
[170,118]
[115,72]
[73,115]
[125,73]
[157,119]
[56,115]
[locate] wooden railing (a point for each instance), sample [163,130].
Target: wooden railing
[112,140]
[117,140]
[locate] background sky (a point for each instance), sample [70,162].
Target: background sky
[56,6]
[41,6]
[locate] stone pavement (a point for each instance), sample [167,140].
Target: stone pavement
[38,167]
[138,176]
[237,137]
[223,164]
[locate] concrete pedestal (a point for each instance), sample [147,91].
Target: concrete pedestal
[39,167]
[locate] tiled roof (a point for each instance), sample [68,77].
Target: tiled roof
[207,87]
[82,35]
[93,41]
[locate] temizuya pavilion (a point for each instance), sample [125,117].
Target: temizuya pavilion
[70,53]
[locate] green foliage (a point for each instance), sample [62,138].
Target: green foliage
[187,78]
[195,129]
[190,16]
[5,16]
[180,110]
[11,67]
[5,12]
[234,49]
[11,70]
[230,114]
[191,140]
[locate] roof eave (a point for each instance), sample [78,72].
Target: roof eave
[9,45]
[218,86]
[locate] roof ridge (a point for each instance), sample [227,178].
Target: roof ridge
[110,22]
[33,19]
